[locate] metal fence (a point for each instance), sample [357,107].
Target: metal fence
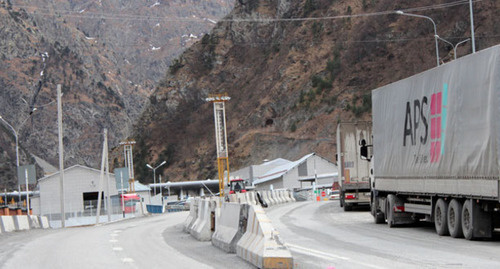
[88,215]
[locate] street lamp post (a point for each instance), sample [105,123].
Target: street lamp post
[154,173]
[454,46]
[16,136]
[400,12]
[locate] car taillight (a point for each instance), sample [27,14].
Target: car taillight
[242,191]
[350,196]
[399,208]
[231,192]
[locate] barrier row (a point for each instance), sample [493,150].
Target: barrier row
[22,222]
[263,198]
[241,226]
[276,197]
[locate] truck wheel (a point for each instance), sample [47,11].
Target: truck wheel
[347,207]
[440,217]
[467,219]
[389,211]
[455,219]
[378,216]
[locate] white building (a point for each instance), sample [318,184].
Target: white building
[299,174]
[81,187]
[253,172]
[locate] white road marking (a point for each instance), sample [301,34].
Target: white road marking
[316,253]
[128,260]
[324,255]
[113,241]
[117,248]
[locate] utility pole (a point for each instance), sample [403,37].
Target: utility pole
[471,10]
[103,164]
[61,157]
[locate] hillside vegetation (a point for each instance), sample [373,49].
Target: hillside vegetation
[292,80]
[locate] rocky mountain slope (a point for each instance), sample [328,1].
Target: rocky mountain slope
[294,69]
[107,55]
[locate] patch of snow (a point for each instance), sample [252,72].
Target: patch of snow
[157,25]
[81,11]
[155,4]
[89,38]
[210,20]
[155,48]
[192,36]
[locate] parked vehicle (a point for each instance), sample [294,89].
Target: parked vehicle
[436,148]
[354,173]
[237,185]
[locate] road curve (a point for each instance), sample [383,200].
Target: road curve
[148,242]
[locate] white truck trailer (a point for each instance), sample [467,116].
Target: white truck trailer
[354,173]
[436,155]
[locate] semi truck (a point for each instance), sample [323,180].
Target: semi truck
[436,155]
[354,173]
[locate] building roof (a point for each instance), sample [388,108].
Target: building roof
[275,162]
[279,171]
[72,168]
[138,186]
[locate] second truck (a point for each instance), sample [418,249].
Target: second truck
[354,173]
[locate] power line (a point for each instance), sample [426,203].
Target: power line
[94,15]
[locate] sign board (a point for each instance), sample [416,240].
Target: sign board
[121,177]
[26,171]
[323,194]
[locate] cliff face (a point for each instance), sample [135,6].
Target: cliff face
[292,80]
[106,60]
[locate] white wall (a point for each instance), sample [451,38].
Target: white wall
[77,180]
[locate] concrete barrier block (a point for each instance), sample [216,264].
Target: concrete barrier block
[202,227]
[34,222]
[242,198]
[270,198]
[261,244]
[44,222]
[285,196]
[229,228]
[290,193]
[7,223]
[21,222]
[275,197]
[251,198]
[279,193]
[233,198]
[193,215]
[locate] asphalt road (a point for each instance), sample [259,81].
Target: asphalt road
[148,242]
[322,235]
[319,234]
